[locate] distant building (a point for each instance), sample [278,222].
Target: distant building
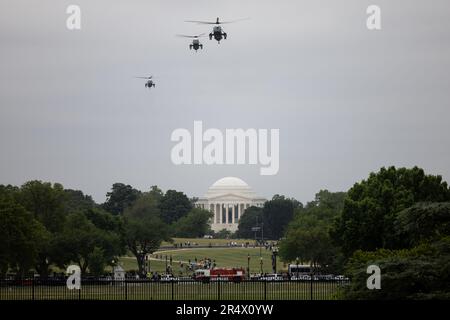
[227,199]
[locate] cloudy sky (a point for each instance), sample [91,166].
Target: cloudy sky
[347,100]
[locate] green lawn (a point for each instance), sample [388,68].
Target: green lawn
[224,257]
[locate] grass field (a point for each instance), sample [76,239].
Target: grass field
[224,257]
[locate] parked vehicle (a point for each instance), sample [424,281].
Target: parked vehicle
[226,274]
[168,278]
[301,277]
[271,277]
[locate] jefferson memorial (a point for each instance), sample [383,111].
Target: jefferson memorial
[227,199]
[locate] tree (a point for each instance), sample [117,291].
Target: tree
[156,193]
[144,229]
[223,234]
[87,245]
[119,198]
[194,225]
[46,202]
[421,272]
[372,206]
[307,236]
[75,200]
[174,205]
[251,218]
[295,203]
[277,214]
[422,221]
[21,238]
[326,205]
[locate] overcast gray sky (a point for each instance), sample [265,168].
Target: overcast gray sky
[347,100]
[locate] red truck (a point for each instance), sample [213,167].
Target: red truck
[229,274]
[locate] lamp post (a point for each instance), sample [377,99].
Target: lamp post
[166,262]
[261,263]
[296,262]
[274,259]
[146,265]
[248,266]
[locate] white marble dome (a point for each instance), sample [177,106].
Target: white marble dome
[227,199]
[229,182]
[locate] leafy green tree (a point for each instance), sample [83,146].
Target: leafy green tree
[277,214]
[422,272]
[104,220]
[372,205]
[76,200]
[156,193]
[295,203]
[46,203]
[223,234]
[98,261]
[21,238]
[308,235]
[325,206]
[144,229]
[80,239]
[194,225]
[251,217]
[174,205]
[120,197]
[422,221]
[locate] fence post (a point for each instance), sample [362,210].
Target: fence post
[265,290]
[172,287]
[311,287]
[126,289]
[32,289]
[218,288]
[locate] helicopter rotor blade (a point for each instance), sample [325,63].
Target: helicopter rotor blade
[200,22]
[185,36]
[148,78]
[216,22]
[189,36]
[233,21]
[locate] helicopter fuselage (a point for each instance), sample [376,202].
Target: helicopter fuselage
[217,33]
[149,84]
[195,46]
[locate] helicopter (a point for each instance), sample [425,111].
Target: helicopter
[149,82]
[217,31]
[195,42]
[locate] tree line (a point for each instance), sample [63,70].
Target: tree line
[43,226]
[397,219]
